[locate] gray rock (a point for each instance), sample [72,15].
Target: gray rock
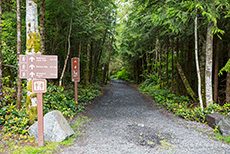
[213,119]
[56,127]
[224,126]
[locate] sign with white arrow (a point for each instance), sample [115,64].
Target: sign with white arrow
[38,66]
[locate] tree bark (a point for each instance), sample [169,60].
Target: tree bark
[167,64]
[216,84]
[31,29]
[68,53]
[42,25]
[177,73]
[172,78]
[208,66]
[19,43]
[197,66]
[1,77]
[186,83]
[86,78]
[202,60]
[228,83]
[79,50]
[91,62]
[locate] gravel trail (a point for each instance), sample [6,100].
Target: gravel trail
[126,122]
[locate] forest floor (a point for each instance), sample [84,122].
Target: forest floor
[126,122]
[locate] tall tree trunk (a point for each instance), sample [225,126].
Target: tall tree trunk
[68,53]
[95,61]
[79,50]
[197,66]
[216,84]
[91,62]
[158,46]
[19,43]
[172,78]
[86,78]
[31,29]
[186,83]
[177,73]
[143,66]
[1,76]
[147,61]
[208,66]
[228,83]
[202,60]
[167,64]
[42,25]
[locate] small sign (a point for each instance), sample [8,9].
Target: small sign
[75,64]
[38,66]
[39,86]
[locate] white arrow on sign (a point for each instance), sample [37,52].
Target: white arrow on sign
[31,66]
[32,59]
[32,74]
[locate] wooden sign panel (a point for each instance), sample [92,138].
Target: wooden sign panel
[38,66]
[39,86]
[75,64]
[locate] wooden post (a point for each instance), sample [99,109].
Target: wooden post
[76,93]
[40,120]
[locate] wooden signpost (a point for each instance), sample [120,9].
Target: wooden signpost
[40,67]
[75,67]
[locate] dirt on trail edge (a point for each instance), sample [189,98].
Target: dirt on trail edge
[126,122]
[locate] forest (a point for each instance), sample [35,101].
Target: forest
[176,51]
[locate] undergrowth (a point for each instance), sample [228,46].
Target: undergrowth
[181,105]
[18,144]
[14,123]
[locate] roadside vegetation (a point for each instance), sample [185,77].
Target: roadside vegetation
[176,52]
[66,28]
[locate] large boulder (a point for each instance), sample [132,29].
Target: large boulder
[56,127]
[213,119]
[224,126]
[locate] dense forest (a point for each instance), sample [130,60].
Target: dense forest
[179,45]
[174,45]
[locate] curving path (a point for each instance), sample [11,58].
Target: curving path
[126,122]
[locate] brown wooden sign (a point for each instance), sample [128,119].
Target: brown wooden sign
[39,86]
[38,66]
[75,64]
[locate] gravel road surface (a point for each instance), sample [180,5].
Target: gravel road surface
[126,122]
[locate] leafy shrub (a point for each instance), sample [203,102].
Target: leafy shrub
[123,75]
[180,105]
[56,98]
[14,120]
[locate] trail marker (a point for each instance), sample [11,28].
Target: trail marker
[39,66]
[75,65]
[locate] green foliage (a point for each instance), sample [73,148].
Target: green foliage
[56,98]
[49,148]
[220,137]
[122,75]
[17,121]
[87,93]
[226,68]
[14,120]
[181,106]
